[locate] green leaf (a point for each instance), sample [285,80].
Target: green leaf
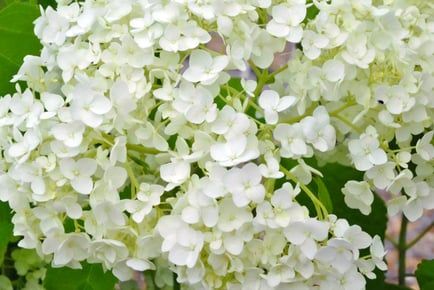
[425,274]
[4,3]
[5,283]
[388,286]
[378,283]
[17,40]
[311,12]
[91,277]
[46,3]
[323,194]
[6,228]
[428,286]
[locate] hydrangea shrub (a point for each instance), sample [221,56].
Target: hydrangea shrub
[186,136]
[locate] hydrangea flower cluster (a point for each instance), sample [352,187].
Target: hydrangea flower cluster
[131,146]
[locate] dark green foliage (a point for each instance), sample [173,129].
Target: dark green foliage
[323,194]
[17,39]
[425,275]
[45,3]
[5,229]
[388,286]
[91,277]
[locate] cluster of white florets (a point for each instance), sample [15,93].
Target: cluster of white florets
[130,147]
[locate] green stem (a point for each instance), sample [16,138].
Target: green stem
[138,161]
[392,241]
[261,83]
[134,183]
[278,71]
[295,119]
[255,69]
[403,149]
[233,91]
[141,149]
[343,108]
[346,122]
[307,113]
[257,108]
[319,207]
[262,14]
[402,249]
[262,78]
[420,236]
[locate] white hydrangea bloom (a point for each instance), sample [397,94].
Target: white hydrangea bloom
[137,130]
[272,104]
[421,198]
[245,184]
[175,173]
[357,51]
[293,143]
[358,195]
[318,131]
[424,146]
[68,249]
[204,68]
[79,173]
[382,175]
[305,234]
[395,98]
[181,241]
[365,151]
[313,43]
[286,21]
[148,197]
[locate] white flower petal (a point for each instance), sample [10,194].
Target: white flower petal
[82,184]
